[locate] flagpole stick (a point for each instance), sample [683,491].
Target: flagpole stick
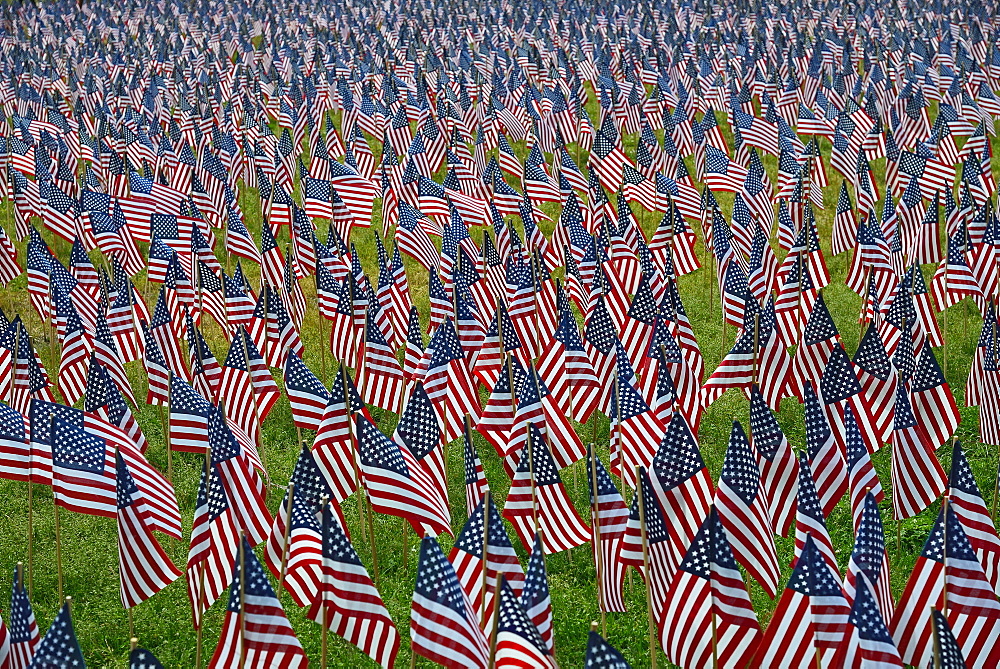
[354,450]
[133,643]
[288,530]
[131,626]
[243,600]
[645,566]
[496,623]
[324,607]
[531,474]
[59,571]
[595,519]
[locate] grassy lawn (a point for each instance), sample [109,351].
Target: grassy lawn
[163,624]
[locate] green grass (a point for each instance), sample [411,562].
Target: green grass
[163,624]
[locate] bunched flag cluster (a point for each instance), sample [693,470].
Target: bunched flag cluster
[187,182]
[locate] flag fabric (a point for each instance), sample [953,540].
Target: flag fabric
[255,631]
[59,647]
[214,544]
[707,618]
[777,462]
[811,618]
[443,624]
[140,658]
[518,642]
[742,507]
[535,597]
[602,655]
[947,562]
[868,643]
[538,499]
[22,629]
[967,502]
[608,520]
[144,566]
[870,560]
[348,602]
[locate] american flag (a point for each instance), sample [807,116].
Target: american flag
[448,381]
[83,470]
[602,655]
[381,376]
[861,475]
[306,394]
[15,452]
[243,484]
[933,402]
[809,518]
[482,554]
[917,477]
[295,542]
[635,428]
[419,432]
[777,462]
[825,457]
[518,640]
[949,654]
[140,658]
[23,631]
[967,502]
[947,561]
[658,563]
[393,485]
[743,509]
[476,485]
[878,382]
[868,642]
[568,372]
[144,566]
[869,559]
[809,622]
[59,647]
[333,447]
[954,281]
[189,413]
[707,617]
[538,499]
[348,601]
[682,483]
[443,624]
[214,544]
[608,520]
[255,631]
[535,597]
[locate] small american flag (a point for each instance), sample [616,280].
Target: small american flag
[538,499]
[777,462]
[965,499]
[742,507]
[826,460]
[145,568]
[917,477]
[59,647]
[140,658]
[518,641]
[392,484]
[214,544]
[255,631]
[869,559]
[707,613]
[809,518]
[810,620]
[443,624]
[348,600]
[602,655]
[868,643]
[306,394]
[609,518]
[83,471]
[22,628]
[535,597]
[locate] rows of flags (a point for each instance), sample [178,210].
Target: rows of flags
[187,183]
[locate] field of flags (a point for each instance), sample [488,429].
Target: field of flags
[530,334]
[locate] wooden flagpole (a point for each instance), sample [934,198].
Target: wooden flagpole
[595,520]
[645,566]
[496,623]
[243,601]
[288,529]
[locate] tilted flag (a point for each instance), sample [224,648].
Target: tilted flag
[443,624]
[255,631]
